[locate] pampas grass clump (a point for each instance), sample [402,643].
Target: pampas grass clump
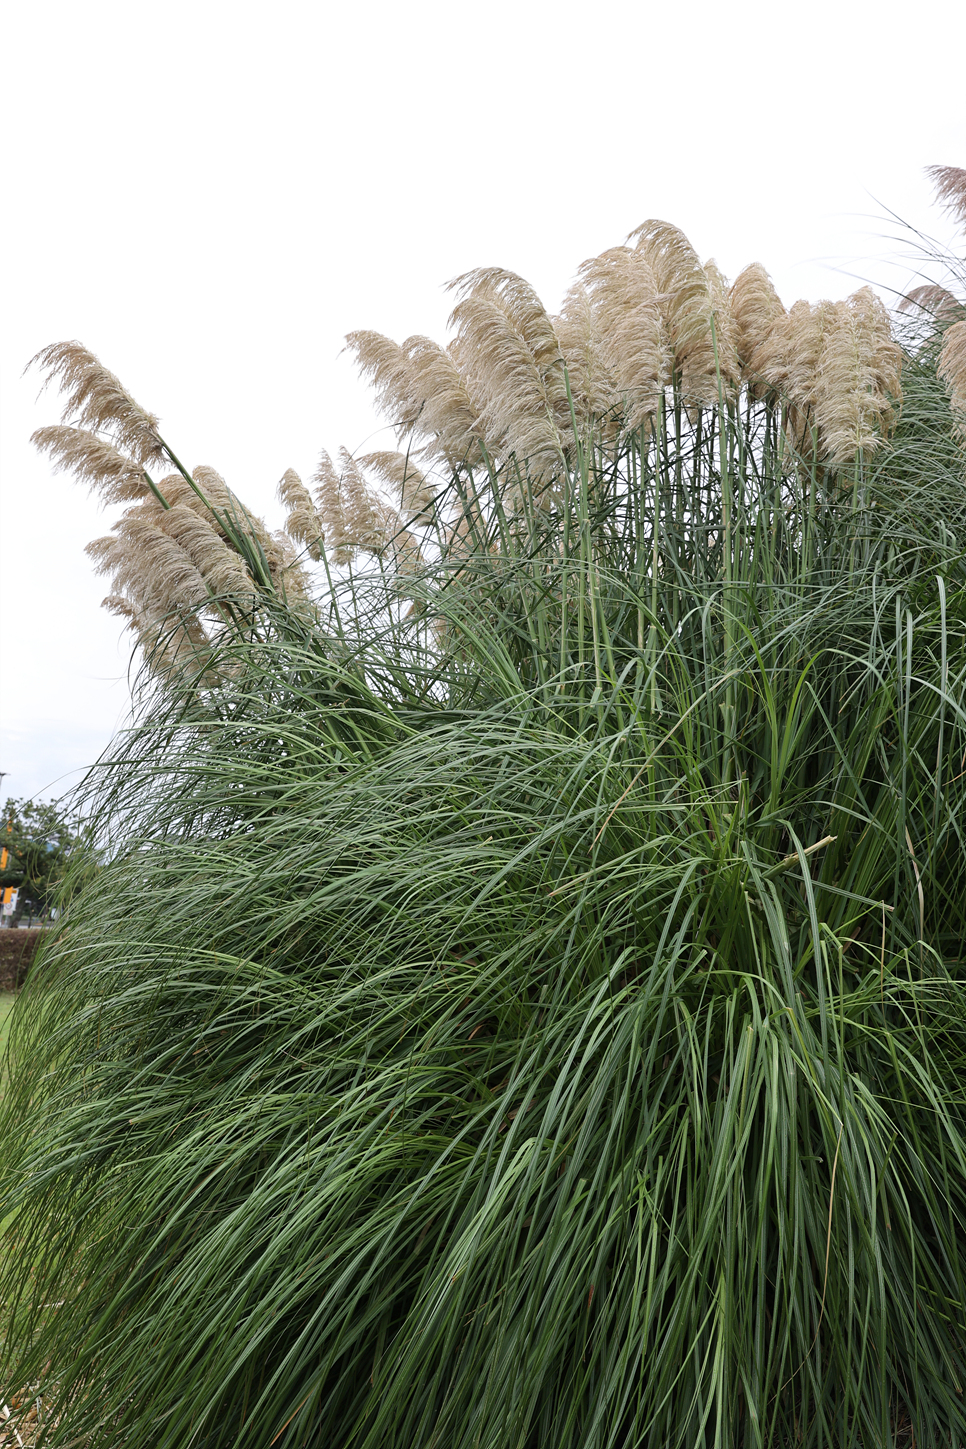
[524,1004]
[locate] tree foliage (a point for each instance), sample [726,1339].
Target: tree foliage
[39,837]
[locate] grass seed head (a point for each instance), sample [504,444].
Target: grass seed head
[725,328]
[760,321]
[331,509]
[932,301]
[148,566]
[521,305]
[219,566]
[365,520]
[628,319]
[506,349]
[94,461]
[686,306]
[95,399]
[582,347]
[302,523]
[950,184]
[413,490]
[447,411]
[952,370]
[385,365]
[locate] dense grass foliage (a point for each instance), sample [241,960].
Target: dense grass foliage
[527,1007]
[6,1004]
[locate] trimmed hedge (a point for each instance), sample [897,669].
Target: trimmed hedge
[16,953]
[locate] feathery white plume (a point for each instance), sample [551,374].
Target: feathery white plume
[950,183]
[366,519]
[933,301]
[507,351]
[331,510]
[627,316]
[447,413]
[952,370]
[725,340]
[858,375]
[95,399]
[582,346]
[220,567]
[414,491]
[686,306]
[89,458]
[302,523]
[760,322]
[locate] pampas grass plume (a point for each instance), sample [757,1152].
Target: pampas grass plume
[686,307]
[633,344]
[95,399]
[413,490]
[952,369]
[95,462]
[302,521]
[950,184]
[760,320]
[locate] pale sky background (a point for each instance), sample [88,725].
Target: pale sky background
[209,196]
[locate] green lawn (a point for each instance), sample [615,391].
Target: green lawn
[7,998]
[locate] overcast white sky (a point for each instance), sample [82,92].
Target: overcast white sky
[210,196]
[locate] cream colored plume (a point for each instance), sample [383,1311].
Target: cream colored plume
[687,307]
[148,567]
[217,492]
[517,415]
[171,646]
[205,543]
[302,522]
[760,320]
[447,412]
[684,299]
[582,347]
[950,184]
[365,518]
[171,567]
[356,519]
[854,378]
[169,561]
[952,370]
[285,575]
[802,344]
[220,567]
[331,510]
[415,493]
[89,458]
[177,550]
[506,349]
[388,368]
[934,301]
[725,341]
[290,571]
[96,400]
[522,306]
[420,390]
[633,344]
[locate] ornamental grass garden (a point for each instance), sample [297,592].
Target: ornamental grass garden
[524,1002]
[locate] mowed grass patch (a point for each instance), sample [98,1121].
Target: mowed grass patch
[7,999]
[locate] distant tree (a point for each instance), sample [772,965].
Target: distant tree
[37,839]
